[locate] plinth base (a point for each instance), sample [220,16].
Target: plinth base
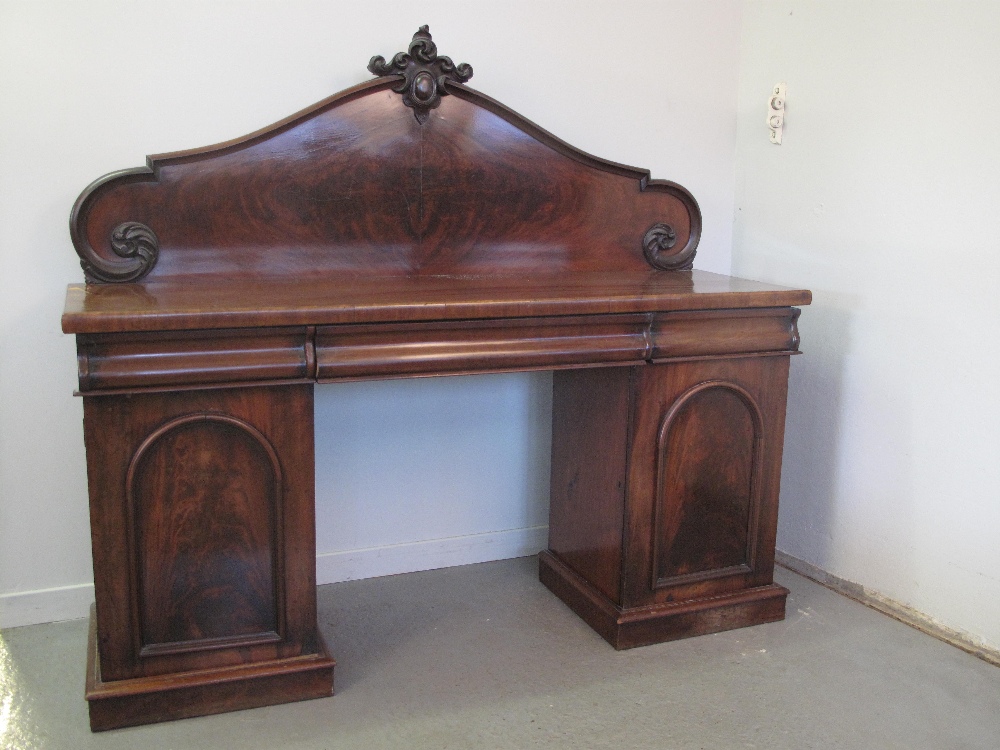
[147,700]
[642,626]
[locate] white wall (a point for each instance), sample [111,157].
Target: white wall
[410,474]
[883,199]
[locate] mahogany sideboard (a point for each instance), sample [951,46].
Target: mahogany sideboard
[409,226]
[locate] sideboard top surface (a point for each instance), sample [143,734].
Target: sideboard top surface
[366,299]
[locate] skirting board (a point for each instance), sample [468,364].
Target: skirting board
[906,615]
[73,602]
[351,565]
[46,605]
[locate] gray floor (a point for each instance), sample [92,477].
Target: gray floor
[483,656]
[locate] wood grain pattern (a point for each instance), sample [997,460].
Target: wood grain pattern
[357,184]
[590,425]
[204,497]
[706,332]
[689,547]
[196,517]
[715,501]
[708,485]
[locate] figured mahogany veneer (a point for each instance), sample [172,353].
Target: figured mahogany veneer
[409,226]
[357,187]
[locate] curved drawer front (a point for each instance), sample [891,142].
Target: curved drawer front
[178,358]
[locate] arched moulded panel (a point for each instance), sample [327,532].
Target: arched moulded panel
[708,464]
[205,534]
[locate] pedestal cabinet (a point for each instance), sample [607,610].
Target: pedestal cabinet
[672,534]
[202,522]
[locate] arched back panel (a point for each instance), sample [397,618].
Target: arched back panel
[372,182]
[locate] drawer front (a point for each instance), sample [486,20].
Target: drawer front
[699,333]
[455,347]
[151,360]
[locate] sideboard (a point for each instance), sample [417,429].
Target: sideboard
[407,227]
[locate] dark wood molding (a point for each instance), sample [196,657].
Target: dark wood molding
[425,74]
[465,347]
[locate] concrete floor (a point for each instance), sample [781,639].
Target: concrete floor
[483,656]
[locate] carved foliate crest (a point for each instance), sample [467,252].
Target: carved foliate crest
[424,74]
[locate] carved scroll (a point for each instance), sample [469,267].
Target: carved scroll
[656,245]
[135,243]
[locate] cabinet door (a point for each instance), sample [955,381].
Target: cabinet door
[704,468]
[202,526]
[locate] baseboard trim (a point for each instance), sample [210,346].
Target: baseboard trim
[73,602]
[350,565]
[46,605]
[896,610]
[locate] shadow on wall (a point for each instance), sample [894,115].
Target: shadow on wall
[851,477]
[809,472]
